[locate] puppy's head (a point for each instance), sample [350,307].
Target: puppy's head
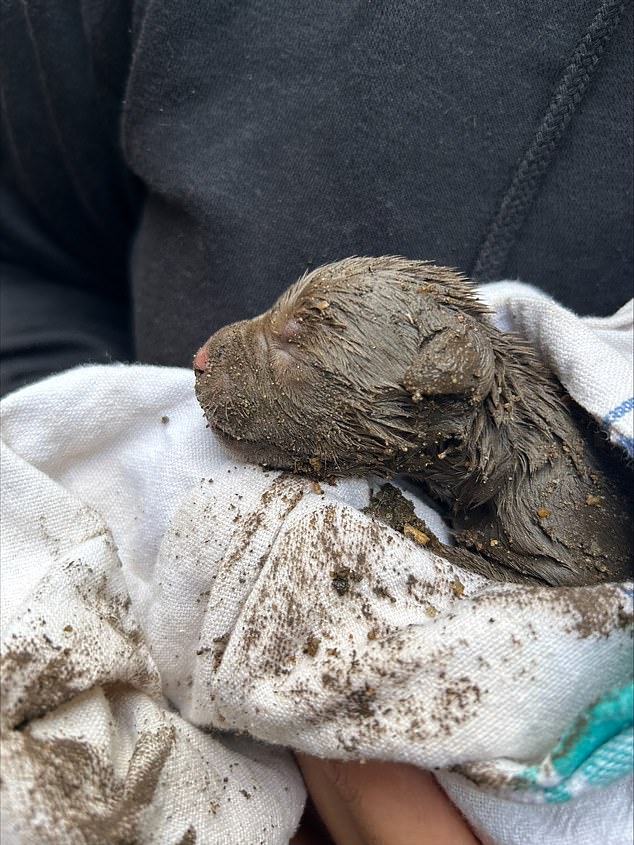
[333,377]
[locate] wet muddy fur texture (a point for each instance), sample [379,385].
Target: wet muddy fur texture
[388,366]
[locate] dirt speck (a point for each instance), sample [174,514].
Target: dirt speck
[416,534]
[189,837]
[390,506]
[342,577]
[361,701]
[311,646]
[457,587]
[220,644]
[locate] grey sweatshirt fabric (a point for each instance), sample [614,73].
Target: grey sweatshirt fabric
[171,167]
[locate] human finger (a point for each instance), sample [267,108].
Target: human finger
[383,803]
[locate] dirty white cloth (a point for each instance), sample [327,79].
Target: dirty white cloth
[592,356]
[173,622]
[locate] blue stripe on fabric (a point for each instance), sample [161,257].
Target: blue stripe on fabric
[607,717]
[619,411]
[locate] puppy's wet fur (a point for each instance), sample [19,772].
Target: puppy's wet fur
[388,366]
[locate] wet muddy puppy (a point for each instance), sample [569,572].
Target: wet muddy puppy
[388,366]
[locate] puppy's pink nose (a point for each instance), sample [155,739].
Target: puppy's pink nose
[200,359]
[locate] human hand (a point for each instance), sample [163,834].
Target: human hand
[380,803]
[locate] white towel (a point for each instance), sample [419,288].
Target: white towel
[173,622]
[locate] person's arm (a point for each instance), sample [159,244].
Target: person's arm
[47,326]
[68,205]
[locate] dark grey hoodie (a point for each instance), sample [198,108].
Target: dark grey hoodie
[171,166]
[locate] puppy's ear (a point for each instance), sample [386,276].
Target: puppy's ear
[456,358]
